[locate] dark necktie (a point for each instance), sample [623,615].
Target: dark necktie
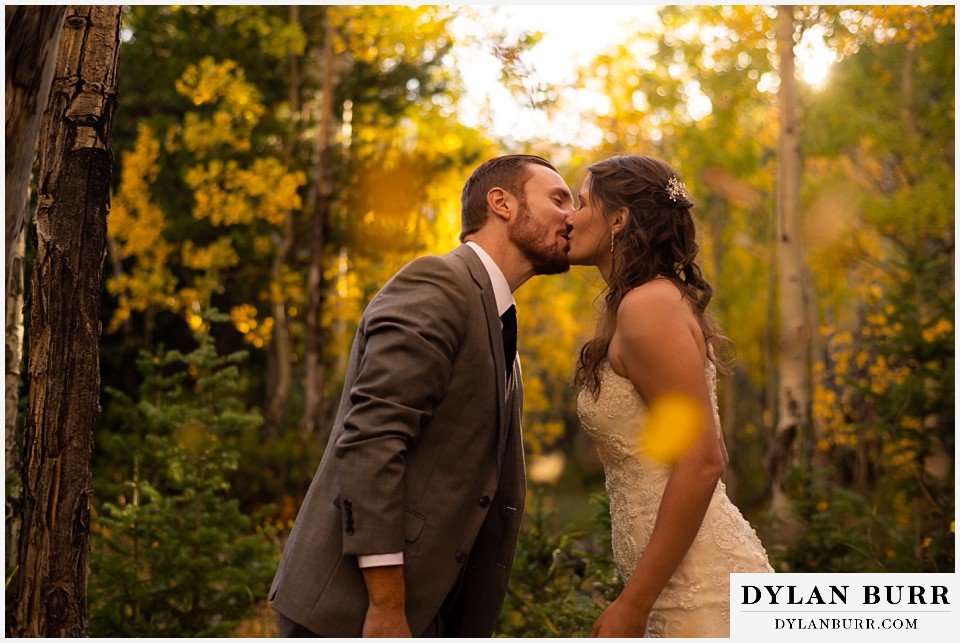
[509,319]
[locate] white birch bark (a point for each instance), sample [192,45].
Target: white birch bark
[794,329]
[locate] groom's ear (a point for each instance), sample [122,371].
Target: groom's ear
[501,203]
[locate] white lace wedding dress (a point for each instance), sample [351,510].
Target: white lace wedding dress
[696,600]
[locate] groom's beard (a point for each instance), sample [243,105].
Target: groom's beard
[527,233]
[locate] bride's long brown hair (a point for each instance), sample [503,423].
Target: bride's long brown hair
[657,240]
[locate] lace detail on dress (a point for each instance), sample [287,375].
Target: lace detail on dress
[695,602]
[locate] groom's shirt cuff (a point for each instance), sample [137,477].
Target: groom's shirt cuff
[380,560]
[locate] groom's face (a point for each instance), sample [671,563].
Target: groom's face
[541,228]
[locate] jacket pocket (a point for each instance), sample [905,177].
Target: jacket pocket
[412,525]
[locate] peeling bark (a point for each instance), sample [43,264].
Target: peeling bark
[32,33]
[31,39]
[66,291]
[14,358]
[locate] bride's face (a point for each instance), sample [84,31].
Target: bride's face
[590,236]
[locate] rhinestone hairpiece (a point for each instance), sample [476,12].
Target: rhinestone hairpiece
[676,189]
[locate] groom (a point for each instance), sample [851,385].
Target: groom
[411,522]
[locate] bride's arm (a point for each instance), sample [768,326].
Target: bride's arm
[659,346]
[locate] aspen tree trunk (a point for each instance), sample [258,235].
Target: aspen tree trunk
[280,366]
[319,226]
[281,370]
[907,112]
[32,33]
[718,210]
[66,289]
[770,371]
[14,357]
[794,336]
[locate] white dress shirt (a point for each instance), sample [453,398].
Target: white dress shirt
[501,289]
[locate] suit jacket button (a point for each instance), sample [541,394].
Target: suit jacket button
[347,504]
[461,557]
[485,502]
[350,531]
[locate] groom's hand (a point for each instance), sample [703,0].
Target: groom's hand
[385,613]
[385,623]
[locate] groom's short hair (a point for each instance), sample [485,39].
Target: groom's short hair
[508,172]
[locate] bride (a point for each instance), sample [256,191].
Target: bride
[676,535]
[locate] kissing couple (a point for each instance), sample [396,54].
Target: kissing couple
[410,525]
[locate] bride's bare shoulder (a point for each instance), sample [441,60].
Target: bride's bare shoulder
[656,297]
[656,315]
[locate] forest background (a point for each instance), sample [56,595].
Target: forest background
[272,166]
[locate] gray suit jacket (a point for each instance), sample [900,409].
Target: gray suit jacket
[425,457]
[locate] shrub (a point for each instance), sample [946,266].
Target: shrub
[562,580]
[173,555]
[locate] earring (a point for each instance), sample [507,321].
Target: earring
[612,241]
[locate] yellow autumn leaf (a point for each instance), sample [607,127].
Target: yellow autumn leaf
[673,426]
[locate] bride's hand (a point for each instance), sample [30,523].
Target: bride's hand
[620,620]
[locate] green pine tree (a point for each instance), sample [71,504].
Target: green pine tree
[175,555]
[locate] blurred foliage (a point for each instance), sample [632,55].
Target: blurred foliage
[873,487]
[558,316]
[840,526]
[218,179]
[562,578]
[172,552]
[216,150]
[880,230]
[885,403]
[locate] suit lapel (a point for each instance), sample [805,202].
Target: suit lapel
[479,274]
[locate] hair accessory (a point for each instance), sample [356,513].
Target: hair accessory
[676,189]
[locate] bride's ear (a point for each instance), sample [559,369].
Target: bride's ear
[619,219]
